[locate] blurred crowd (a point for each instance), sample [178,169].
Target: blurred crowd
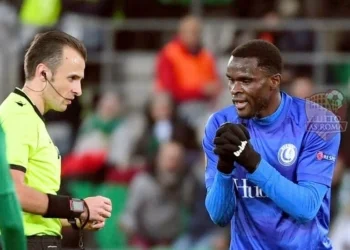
[149,159]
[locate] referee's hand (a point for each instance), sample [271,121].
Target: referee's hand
[100,208]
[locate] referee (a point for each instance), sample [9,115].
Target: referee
[54,66]
[10,214]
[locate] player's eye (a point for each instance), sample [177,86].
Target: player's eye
[246,80]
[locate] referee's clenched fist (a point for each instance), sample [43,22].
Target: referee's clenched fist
[100,209]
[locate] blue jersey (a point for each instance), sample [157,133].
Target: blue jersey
[300,141]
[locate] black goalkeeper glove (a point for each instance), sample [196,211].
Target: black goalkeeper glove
[233,139]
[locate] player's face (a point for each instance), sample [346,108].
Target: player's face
[66,80]
[250,87]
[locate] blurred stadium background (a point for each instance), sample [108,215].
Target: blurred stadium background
[124,133]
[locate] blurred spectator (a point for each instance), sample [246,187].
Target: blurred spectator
[40,13]
[345,142]
[336,188]
[63,127]
[302,87]
[75,14]
[222,241]
[339,73]
[187,71]
[92,145]
[156,198]
[123,142]
[288,40]
[340,171]
[201,233]
[36,15]
[8,48]
[98,8]
[97,127]
[162,124]
[340,234]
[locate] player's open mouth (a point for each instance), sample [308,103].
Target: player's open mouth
[240,105]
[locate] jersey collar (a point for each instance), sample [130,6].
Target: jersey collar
[268,120]
[19,92]
[275,120]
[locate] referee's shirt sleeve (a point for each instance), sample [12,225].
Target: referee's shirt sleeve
[21,139]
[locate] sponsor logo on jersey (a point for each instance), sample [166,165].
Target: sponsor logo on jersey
[322,156]
[248,190]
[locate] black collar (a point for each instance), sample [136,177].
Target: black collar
[21,93]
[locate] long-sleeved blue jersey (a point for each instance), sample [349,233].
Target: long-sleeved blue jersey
[285,203]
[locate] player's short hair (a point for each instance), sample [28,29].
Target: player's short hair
[48,48]
[268,55]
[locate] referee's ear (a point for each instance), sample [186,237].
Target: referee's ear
[42,72]
[43,76]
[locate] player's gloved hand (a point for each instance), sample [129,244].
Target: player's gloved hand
[224,148]
[234,138]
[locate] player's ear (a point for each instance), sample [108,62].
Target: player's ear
[275,81]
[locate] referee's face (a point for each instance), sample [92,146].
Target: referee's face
[249,86]
[66,82]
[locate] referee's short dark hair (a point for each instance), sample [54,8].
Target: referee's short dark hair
[267,54]
[48,48]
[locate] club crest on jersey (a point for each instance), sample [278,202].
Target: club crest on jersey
[287,154]
[326,113]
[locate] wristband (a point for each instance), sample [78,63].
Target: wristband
[63,207]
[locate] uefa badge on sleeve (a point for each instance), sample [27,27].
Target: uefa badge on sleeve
[326,113]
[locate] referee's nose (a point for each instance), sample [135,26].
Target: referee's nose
[77,88]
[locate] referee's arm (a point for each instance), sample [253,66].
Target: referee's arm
[22,141]
[36,202]
[32,201]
